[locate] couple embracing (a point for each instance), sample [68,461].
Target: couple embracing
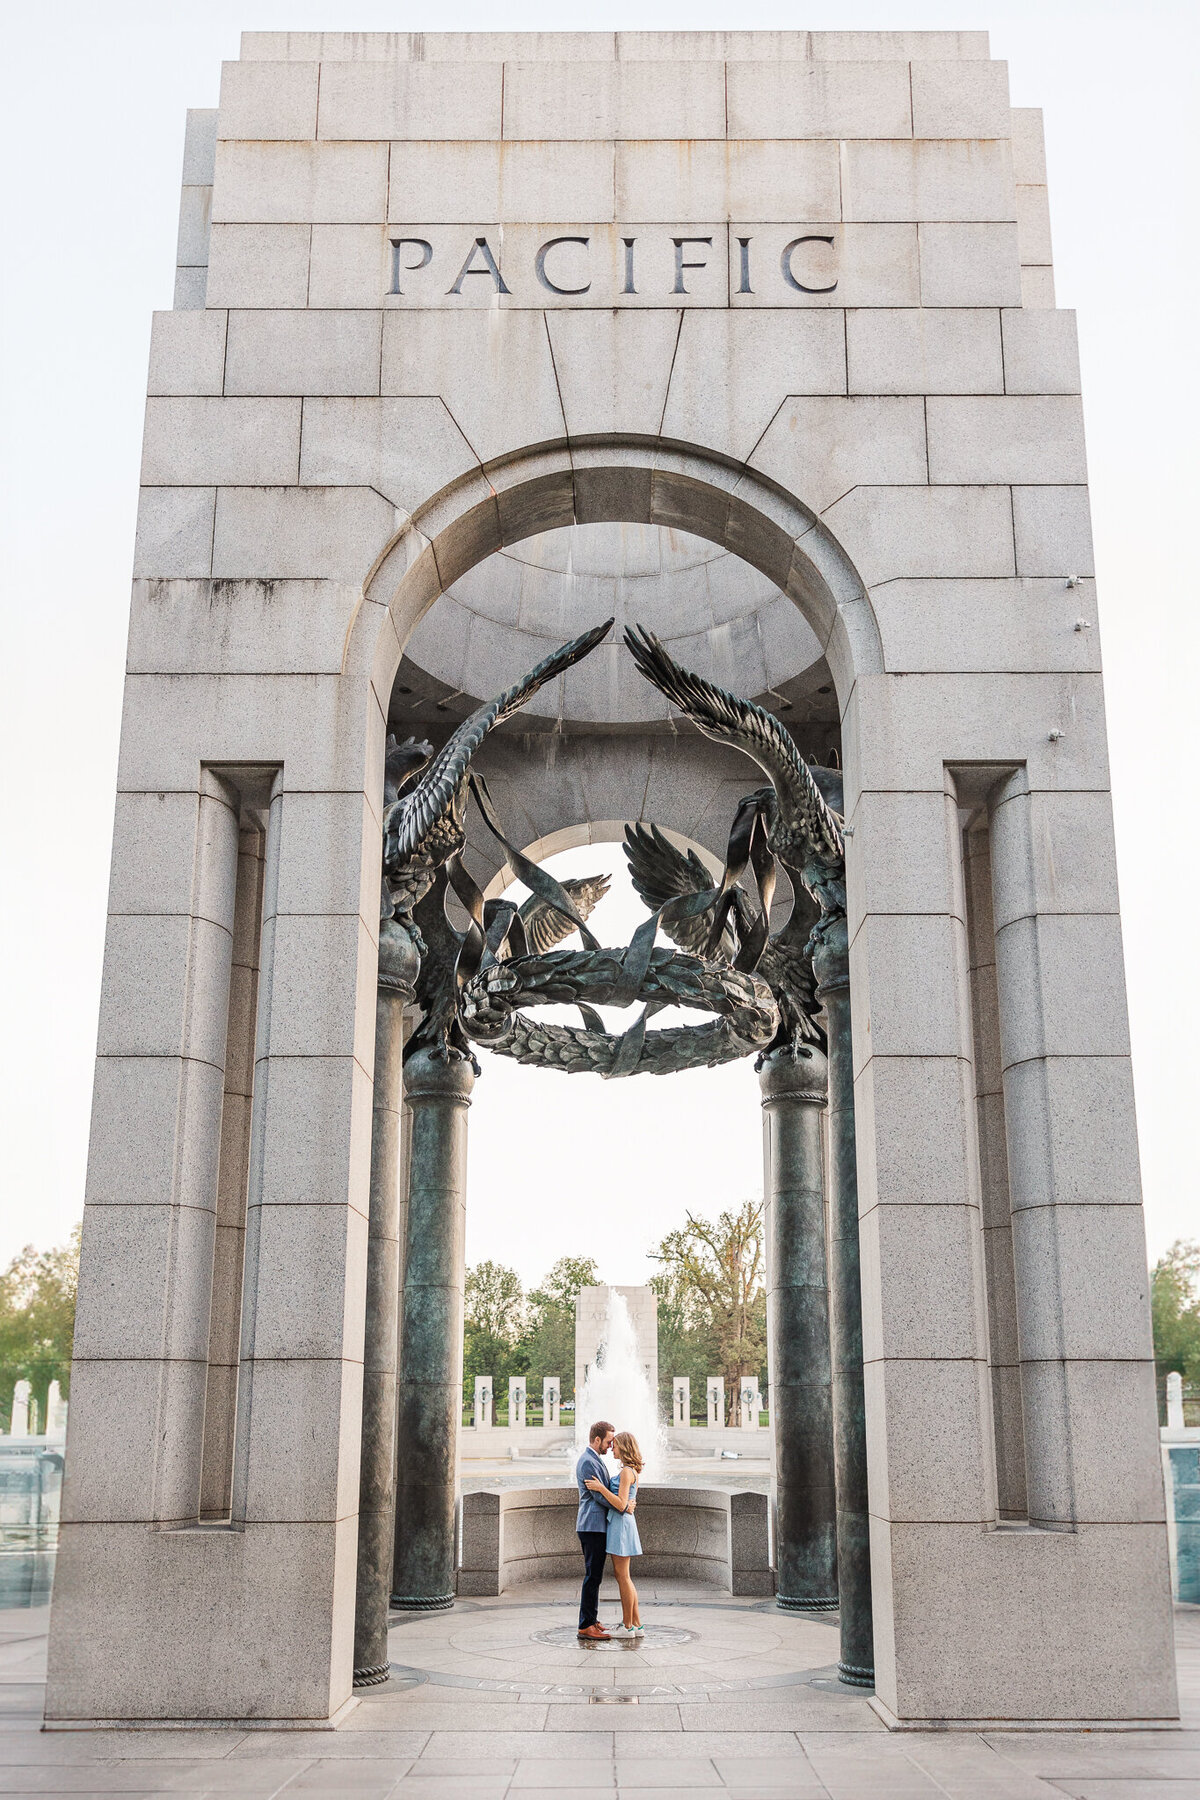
[607,1527]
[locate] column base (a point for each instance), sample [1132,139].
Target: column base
[855,1677]
[797,1603]
[372,1677]
[420,1603]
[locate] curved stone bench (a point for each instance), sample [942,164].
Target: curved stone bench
[512,1536]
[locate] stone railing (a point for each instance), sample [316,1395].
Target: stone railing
[513,1536]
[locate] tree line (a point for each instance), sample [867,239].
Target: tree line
[712,1314]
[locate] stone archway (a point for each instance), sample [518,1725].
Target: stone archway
[689,488]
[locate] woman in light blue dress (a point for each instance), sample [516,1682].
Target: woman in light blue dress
[623,1541]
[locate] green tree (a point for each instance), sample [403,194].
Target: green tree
[495,1317]
[37,1322]
[495,1301]
[687,1345]
[1175,1311]
[713,1280]
[569,1274]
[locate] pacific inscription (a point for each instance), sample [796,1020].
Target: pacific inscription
[612,265]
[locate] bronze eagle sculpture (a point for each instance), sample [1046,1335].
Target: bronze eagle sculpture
[791,820]
[423,825]
[662,873]
[529,930]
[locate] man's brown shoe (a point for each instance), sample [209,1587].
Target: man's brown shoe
[593,1631]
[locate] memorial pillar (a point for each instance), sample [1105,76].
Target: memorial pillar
[856,1664]
[398,967]
[794,1095]
[430,1386]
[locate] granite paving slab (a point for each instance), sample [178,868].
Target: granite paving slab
[342,1744]
[653,1772]
[447,1746]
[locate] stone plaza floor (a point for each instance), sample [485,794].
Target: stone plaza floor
[497,1699]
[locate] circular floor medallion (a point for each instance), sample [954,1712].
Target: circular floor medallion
[655,1637]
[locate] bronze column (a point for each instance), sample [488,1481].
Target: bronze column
[438,1091]
[794,1094]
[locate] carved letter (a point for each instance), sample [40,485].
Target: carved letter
[487,267]
[785,263]
[744,285]
[539,265]
[680,265]
[399,244]
[629,287]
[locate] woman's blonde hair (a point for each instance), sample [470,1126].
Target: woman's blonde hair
[626,1448]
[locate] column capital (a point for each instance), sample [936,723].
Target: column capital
[428,1076]
[801,1075]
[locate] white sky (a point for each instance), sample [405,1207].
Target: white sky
[93,122]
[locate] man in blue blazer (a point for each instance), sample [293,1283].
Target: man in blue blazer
[592,1525]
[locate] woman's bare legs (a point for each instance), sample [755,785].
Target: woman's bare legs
[628,1591]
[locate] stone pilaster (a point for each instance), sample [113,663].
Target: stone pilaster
[856,1663]
[398,964]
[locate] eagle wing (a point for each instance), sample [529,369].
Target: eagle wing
[660,873]
[436,992]
[545,926]
[749,728]
[418,812]
[786,966]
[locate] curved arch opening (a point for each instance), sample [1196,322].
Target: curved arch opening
[684,489]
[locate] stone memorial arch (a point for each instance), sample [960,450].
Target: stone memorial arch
[779,310]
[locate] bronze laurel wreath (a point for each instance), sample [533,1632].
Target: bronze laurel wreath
[747,1012]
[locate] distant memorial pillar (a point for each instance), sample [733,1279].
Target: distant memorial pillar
[1174,1401]
[19,1426]
[552,1401]
[56,1411]
[398,965]
[482,1415]
[516,1402]
[856,1664]
[430,1387]
[794,1090]
[681,1401]
[715,1388]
